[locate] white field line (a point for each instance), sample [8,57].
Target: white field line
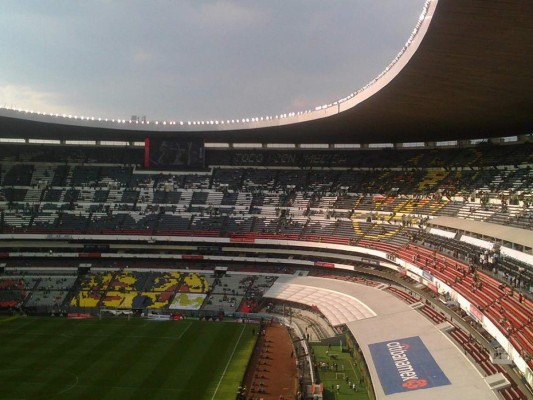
[227,365]
[185,330]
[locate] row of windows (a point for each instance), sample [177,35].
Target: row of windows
[256,145]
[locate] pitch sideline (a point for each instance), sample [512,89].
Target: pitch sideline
[229,361]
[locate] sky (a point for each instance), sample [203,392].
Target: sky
[194,59]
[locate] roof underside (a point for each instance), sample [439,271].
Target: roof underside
[471,77]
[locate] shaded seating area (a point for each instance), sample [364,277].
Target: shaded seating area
[14,291]
[159,290]
[91,288]
[50,292]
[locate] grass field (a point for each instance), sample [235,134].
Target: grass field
[331,377]
[56,358]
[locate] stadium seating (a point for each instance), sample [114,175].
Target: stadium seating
[381,201]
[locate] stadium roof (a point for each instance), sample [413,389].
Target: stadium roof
[467,74]
[508,234]
[395,320]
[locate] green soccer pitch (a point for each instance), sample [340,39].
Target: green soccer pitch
[57,358]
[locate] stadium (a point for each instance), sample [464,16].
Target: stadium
[377,247]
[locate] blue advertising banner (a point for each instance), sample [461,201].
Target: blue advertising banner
[405,365]
[427,275]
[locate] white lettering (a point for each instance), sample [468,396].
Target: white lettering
[401,361]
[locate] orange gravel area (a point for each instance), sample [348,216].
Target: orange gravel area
[272,373]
